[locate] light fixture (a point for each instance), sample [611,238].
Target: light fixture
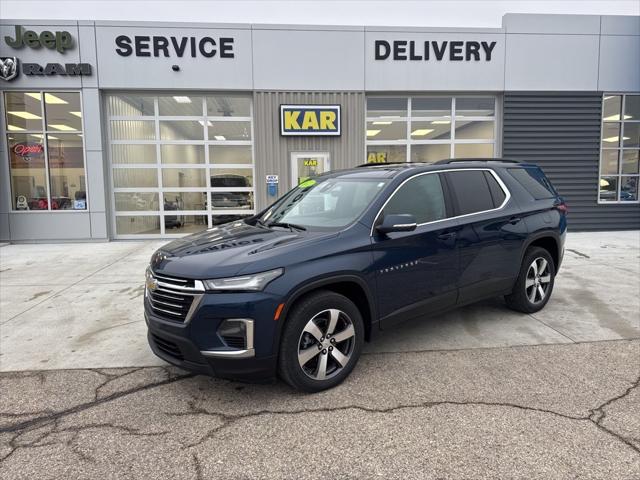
[389,116]
[609,118]
[62,126]
[14,128]
[220,137]
[33,95]
[26,115]
[36,135]
[382,123]
[182,99]
[51,137]
[53,100]
[79,134]
[209,124]
[420,132]
[614,139]
[609,97]
[441,122]
[77,114]
[373,133]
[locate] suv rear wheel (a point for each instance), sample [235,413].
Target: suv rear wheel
[321,341]
[534,285]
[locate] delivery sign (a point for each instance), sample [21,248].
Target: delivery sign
[310,120]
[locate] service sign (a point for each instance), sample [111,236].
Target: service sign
[310,120]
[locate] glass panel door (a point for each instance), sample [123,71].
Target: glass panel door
[179,163]
[305,165]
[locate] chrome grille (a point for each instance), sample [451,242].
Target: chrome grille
[172,298]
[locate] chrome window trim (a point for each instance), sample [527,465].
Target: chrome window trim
[491,171]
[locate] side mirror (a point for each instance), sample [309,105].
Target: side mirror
[397,223]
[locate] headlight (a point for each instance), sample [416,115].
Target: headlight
[253,282]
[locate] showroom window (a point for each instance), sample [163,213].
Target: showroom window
[619,155]
[46,151]
[428,129]
[179,163]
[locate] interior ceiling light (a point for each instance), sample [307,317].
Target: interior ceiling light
[51,137]
[26,115]
[14,128]
[62,126]
[610,117]
[181,99]
[219,137]
[441,122]
[382,123]
[33,95]
[51,99]
[373,133]
[77,114]
[421,132]
[209,124]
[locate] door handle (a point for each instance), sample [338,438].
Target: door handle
[514,220]
[447,235]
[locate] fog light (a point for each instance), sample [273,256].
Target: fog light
[237,333]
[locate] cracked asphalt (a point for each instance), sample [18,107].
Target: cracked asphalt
[547,411]
[480,393]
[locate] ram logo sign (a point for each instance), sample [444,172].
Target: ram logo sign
[310,120]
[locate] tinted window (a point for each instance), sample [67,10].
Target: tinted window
[422,197]
[534,181]
[497,193]
[471,191]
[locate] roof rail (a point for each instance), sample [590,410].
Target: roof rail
[381,164]
[457,160]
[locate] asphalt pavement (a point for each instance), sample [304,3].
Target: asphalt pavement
[478,393]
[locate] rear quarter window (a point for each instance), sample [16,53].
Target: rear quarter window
[534,181]
[471,191]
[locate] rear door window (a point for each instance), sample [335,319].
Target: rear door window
[471,191]
[421,196]
[534,181]
[497,193]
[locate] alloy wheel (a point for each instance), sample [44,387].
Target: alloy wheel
[538,280]
[326,344]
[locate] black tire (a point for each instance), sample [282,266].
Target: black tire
[520,299]
[317,307]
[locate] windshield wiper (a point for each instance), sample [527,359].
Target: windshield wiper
[290,226]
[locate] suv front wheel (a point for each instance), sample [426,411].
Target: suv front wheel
[534,285]
[321,341]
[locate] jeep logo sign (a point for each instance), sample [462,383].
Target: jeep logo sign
[60,40]
[310,120]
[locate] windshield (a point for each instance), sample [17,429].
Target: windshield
[330,203]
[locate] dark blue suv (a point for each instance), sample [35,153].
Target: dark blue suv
[296,290]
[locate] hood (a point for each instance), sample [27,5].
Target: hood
[226,250]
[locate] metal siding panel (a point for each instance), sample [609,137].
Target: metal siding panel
[273,151]
[560,132]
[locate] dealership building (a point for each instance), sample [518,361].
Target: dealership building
[121,130]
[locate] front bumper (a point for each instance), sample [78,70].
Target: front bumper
[197,346]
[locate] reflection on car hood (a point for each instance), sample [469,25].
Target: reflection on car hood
[225,250]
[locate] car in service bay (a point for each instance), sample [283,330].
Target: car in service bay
[297,289]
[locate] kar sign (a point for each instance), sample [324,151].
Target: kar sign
[310,120]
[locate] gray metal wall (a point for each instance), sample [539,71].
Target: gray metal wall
[560,132]
[272,152]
